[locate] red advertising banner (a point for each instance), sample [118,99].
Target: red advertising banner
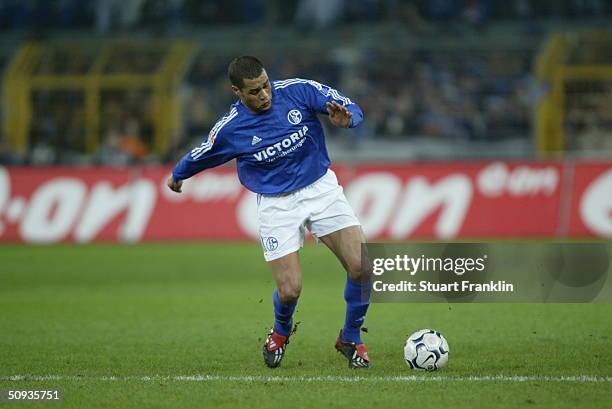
[479,200]
[456,200]
[590,210]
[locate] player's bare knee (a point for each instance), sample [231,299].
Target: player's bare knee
[356,270]
[289,292]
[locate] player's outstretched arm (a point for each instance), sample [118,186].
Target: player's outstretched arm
[342,112]
[214,150]
[339,115]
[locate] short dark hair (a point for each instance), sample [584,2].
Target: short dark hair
[243,67]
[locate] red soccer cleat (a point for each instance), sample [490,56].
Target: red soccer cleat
[357,354]
[274,349]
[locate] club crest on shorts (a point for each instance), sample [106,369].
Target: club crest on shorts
[294,116]
[270,243]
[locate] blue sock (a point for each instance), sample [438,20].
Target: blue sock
[357,297]
[282,315]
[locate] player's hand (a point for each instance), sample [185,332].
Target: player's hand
[339,115]
[174,185]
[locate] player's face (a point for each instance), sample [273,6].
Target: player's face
[256,94]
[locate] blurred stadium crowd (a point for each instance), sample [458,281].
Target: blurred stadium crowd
[413,92]
[447,93]
[104,15]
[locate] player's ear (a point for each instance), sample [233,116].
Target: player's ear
[236,90]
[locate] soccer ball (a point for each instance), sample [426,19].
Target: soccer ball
[426,350]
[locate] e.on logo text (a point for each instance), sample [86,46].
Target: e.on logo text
[66,207]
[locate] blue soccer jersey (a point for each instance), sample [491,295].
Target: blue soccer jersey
[277,151]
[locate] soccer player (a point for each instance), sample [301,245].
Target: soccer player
[277,140]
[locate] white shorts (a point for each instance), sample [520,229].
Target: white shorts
[320,207]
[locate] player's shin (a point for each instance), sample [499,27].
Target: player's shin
[283,313]
[357,297]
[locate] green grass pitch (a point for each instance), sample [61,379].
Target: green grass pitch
[71,317]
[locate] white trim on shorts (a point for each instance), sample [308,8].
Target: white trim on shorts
[342,226]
